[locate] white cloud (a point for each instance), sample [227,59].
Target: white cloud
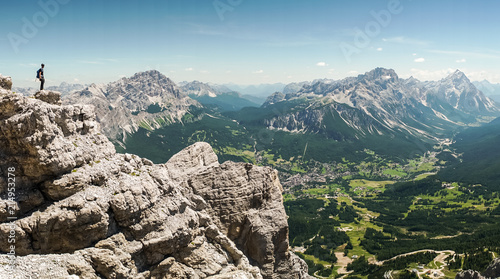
[204,72]
[76,80]
[414,54]
[353,73]
[380,49]
[420,60]
[461,60]
[321,64]
[188,69]
[258,72]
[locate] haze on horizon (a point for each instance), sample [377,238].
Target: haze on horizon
[247,42]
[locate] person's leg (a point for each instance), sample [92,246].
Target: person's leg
[41,84]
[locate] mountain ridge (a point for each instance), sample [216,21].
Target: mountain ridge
[148,99]
[400,105]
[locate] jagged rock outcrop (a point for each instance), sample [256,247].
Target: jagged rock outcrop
[5,83]
[469,274]
[84,210]
[51,97]
[493,271]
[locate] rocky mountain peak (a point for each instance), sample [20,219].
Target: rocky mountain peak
[459,92]
[151,74]
[459,80]
[147,99]
[457,75]
[83,210]
[380,74]
[152,83]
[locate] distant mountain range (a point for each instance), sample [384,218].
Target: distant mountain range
[376,110]
[259,90]
[199,89]
[151,100]
[64,88]
[256,93]
[217,95]
[491,90]
[379,102]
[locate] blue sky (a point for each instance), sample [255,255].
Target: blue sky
[247,41]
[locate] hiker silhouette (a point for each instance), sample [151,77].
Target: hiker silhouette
[39,75]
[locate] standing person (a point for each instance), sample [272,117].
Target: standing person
[39,75]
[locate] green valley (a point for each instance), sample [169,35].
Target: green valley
[351,211]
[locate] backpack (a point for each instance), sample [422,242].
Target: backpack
[38,73]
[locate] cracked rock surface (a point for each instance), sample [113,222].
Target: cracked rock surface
[83,211]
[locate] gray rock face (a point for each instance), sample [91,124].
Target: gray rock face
[51,97]
[469,274]
[276,97]
[5,82]
[200,89]
[83,210]
[493,271]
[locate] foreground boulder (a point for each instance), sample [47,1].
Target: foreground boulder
[51,97]
[5,83]
[80,209]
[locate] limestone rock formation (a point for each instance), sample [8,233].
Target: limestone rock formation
[81,210]
[51,97]
[469,274]
[5,83]
[493,271]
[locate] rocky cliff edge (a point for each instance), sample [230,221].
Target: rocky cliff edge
[491,272]
[72,207]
